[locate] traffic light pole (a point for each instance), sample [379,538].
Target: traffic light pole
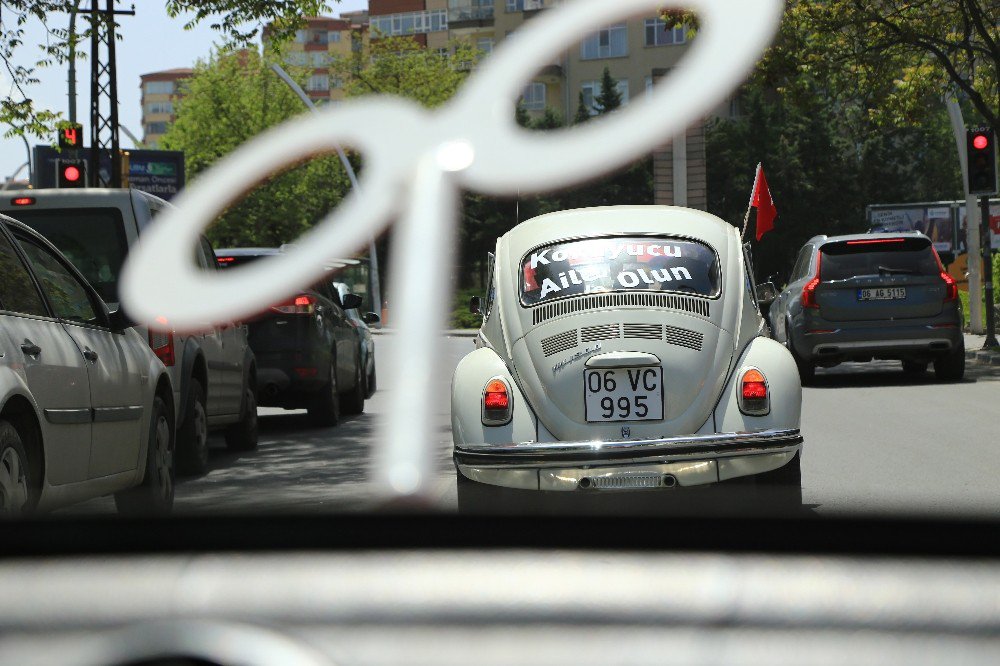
[984,207]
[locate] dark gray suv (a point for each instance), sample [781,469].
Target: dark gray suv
[871,296]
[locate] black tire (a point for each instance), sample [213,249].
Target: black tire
[807,371]
[782,488]
[192,436]
[243,435]
[354,401]
[951,367]
[155,495]
[914,367]
[17,487]
[324,406]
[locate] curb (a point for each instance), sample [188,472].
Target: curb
[451,333]
[984,357]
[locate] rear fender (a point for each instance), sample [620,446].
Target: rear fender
[784,389]
[468,382]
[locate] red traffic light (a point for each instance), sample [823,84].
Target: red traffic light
[71,173]
[980,141]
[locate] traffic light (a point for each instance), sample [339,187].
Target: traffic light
[981,149]
[71,173]
[71,136]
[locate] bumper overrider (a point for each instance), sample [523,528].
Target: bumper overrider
[626,465]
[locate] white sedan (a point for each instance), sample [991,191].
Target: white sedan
[86,407]
[623,348]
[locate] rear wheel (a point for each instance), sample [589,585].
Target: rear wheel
[354,401]
[370,382]
[192,438]
[324,407]
[807,371]
[242,436]
[15,475]
[155,496]
[782,487]
[914,367]
[951,367]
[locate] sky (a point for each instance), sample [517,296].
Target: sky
[150,41]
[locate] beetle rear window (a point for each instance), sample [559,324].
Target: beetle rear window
[601,265]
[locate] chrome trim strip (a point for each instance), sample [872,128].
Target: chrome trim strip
[596,452]
[68,416]
[110,414]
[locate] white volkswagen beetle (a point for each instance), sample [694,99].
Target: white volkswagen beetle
[623,348]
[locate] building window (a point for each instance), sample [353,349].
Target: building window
[318,82]
[156,128]
[336,83]
[515,5]
[658,34]
[611,42]
[159,88]
[301,36]
[411,23]
[485,44]
[317,36]
[533,97]
[160,107]
[333,37]
[592,90]
[319,60]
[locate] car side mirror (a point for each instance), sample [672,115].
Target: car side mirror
[351,301]
[766,293]
[118,321]
[370,318]
[475,305]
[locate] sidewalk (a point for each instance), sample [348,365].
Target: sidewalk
[974,351]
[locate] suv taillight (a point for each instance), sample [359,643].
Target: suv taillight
[809,291]
[303,304]
[754,399]
[950,286]
[162,344]
[496,403]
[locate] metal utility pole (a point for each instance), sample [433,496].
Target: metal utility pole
[71,93]
[984,215]
[973,245]
[104,87]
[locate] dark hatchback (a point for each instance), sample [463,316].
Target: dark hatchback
[871,296]
[308,352]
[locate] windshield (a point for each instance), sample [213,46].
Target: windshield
[911,256]
[618,264]
[93,239]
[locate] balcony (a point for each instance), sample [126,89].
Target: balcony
[470,16]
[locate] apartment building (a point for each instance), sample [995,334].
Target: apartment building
[318,44]
[160,92]
[635,52]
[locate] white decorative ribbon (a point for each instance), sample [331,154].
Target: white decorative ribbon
[415,163]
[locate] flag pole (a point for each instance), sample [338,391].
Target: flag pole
[753,191]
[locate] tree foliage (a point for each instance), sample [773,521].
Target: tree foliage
[237,21]
[231,98]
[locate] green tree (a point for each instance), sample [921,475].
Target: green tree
[582,112]
[237,21]
[231,98]
[609,98]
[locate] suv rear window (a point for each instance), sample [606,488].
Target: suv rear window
[597,265]
[906,256]
[93,239]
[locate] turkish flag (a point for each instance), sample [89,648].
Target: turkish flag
[761,200]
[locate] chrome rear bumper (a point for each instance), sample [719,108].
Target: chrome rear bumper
[620,465]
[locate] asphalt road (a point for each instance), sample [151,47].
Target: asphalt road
[875,441]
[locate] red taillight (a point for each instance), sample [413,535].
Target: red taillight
[753,393]
[809,291]
[950,287]
[225,260]
[23,201]
[496,402]
[162,344]
[303,304]
[307,373]
[873,241]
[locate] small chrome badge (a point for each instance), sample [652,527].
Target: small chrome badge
[583,353]
[626,431]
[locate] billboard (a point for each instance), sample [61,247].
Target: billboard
[935,220]
[994,225]
[159,172]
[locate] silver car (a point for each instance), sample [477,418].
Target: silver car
[871,296]
[86,407]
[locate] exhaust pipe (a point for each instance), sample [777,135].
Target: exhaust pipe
[669,481]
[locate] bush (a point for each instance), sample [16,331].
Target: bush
[460,315]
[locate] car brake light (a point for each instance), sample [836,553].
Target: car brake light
[496,403]
[23,201]
[950,287]
[303,304]
[809,291]
[873,241]
[754,399]
[225,260]
[162,344]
